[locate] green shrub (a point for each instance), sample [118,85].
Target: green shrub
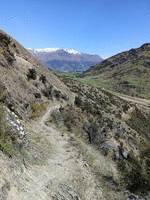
[6,144]
[56,117]
[69,126]
[36,110]
[66,117]
[75,119]
[35,114]
[2,110]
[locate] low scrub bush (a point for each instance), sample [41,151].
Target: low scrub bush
[5,39]
[36,110]
[65,97]
[57,94]
[136,171]
[43,79]
[74,119]
[140,123]
[31,74]
[78,101]
[65,117]
[48,92]
[56,117]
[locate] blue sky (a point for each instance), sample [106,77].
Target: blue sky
[102,27]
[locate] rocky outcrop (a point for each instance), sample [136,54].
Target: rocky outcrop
[17,129]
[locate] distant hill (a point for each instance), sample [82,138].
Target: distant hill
[127,72]
[64,59]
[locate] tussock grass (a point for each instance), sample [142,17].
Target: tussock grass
[38,149]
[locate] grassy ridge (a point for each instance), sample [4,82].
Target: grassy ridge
[127,72]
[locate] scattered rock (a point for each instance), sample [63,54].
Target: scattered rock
[60,190]
[17,129]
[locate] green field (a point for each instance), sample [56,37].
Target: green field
[72,75]
[75,76]
[94,82]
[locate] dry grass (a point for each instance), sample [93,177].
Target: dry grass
[39,148]
[103,169]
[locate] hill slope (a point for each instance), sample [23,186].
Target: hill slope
[118,125]
[64,59]
[127,72]
[25,79]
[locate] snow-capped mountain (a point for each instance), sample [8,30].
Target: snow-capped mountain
[65,59]
[72,51]
[46,50]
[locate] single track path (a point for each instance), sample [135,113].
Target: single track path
[66,174]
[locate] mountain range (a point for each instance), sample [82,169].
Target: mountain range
[64,59]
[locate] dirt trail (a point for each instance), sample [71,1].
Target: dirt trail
[47,114]
[66,174]
[132,99]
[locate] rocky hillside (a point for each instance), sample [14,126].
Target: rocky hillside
[65,60]
[127,72]
[25,79]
